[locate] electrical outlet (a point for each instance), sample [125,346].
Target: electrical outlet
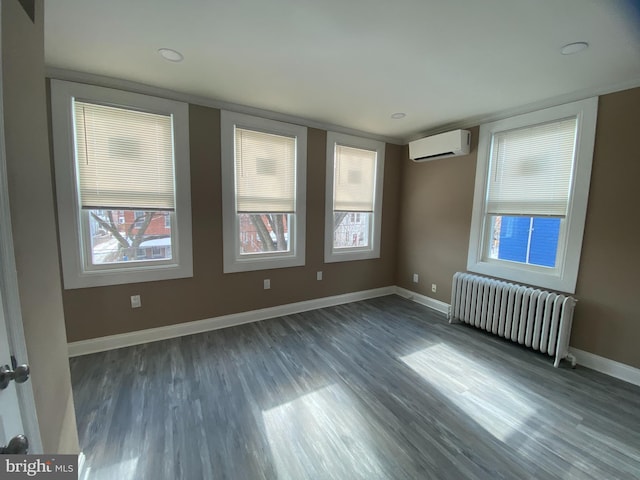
[267,284]
[319,275]
[434,287]
[415,278]
[135,301]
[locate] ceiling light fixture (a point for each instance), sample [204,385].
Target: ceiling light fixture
[572,48]
[398,115]
[170,54]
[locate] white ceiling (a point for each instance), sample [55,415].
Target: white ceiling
[352,63]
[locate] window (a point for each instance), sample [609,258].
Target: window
[353,215]
[122,177]
[140,218]
[530,202]
[263,193]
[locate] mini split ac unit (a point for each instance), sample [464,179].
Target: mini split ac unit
[449,144]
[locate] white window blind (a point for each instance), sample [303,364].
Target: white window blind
[265,172]
[355,171]
[531,170]
[124,158]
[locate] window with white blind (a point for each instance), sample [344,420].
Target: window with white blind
[263,193]
[122,177]
[355,168]
[530,202]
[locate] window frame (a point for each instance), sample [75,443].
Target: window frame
[78,272]
[233,261]
[138,220]
[348,254]
[564,276]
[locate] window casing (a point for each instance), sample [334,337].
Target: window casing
[531,192]
[353,212]
[122,185]
[263,193]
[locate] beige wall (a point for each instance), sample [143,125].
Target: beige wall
[96,312]
[436,206]
[607,319]
[34,229]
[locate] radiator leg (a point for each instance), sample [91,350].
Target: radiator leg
[569,357]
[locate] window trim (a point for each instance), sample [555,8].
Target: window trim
[348,254]
[75,273]
[232,260]
[564,277]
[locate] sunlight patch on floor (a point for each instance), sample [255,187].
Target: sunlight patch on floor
[473,388]
[322,429]
[125,470]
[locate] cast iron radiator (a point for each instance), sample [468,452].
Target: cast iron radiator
[539,319]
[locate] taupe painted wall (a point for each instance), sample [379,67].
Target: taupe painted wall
[436,204]
[607,318]
[435,207]
[34,229]
[96,312]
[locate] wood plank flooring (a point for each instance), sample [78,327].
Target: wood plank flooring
[379,389]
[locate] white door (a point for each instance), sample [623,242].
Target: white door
[17,405]
[10,416]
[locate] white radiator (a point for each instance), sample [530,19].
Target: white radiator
[536,318]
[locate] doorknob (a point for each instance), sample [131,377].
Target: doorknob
[18,445]
[20,375]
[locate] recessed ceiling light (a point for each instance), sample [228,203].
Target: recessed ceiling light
[170,54]
[576,47]
[398,115]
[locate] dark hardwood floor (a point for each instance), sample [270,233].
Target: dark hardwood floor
[380,389]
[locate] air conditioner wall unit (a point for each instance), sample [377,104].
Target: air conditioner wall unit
[444,145]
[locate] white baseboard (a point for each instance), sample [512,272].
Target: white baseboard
[84,347]
[101,344]
[604,365]
[436,305]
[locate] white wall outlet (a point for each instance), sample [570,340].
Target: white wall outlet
[135,301]
[415,278]
[434,287]
[319,275]
[267,284]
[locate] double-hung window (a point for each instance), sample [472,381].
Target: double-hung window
[122,176]
[263,193]
[353,216]
[532,186]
